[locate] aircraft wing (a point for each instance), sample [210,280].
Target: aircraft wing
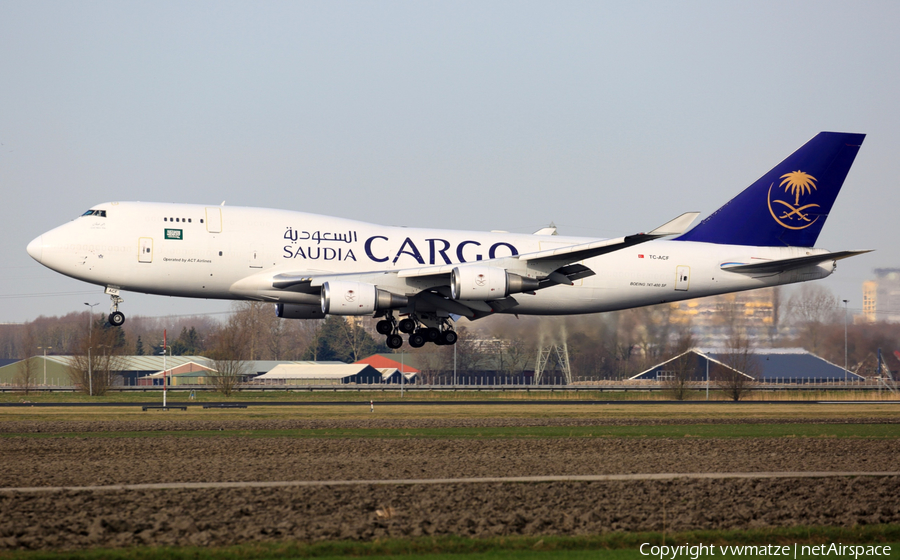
[563,256]
[574,253]
[783,265]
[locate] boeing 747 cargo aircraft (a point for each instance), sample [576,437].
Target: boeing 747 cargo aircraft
[310,265]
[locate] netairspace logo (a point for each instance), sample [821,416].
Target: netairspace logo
[695,551]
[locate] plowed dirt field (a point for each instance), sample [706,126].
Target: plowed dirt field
[109,452]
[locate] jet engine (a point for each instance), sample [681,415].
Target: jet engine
[298,311]
[487,283]
[357,298]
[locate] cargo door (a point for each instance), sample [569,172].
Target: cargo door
[682,278]
[145,249]
[214,219]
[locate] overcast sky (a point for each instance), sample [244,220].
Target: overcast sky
[607,118]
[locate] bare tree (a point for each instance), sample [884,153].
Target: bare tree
[315,335]
[228,356]
[680,373]
[354,337]
[97,359]
[433,364]
[813,308]
[26,369]
[656,329]
[776,314]
[268,337]
[249,317]
[301,334]
[741,369]
[469,352]
[227,373]
[95,372]
[641,338]
[729,314]
[515,356]
[26,374]
[150,329]
[277,335]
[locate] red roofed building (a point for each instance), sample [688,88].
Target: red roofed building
[380,361]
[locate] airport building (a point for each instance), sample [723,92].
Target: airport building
[174,371]
[328,374]
[768,365]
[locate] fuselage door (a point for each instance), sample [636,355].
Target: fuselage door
[145,249]
[255,259]
[214,219]
[682,278]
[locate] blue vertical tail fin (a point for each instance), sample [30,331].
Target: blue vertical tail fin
[788,205]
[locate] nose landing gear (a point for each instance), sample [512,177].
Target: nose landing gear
[116,318]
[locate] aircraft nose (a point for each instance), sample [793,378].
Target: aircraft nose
[36,248]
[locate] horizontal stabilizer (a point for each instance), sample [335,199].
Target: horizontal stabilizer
[783,265]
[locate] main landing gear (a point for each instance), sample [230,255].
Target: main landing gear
[116,318]
[388,327]
[420,331]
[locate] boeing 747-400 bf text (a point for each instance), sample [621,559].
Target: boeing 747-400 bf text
[311,265]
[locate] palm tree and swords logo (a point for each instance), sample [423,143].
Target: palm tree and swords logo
[794,216]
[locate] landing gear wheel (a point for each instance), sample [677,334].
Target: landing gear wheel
[416,340]
[431,335]
[384,327]
[116,318]
[449,337]
[394,341]
[407,326]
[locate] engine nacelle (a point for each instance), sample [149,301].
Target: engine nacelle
[487,283]
[298,311]
[357,298]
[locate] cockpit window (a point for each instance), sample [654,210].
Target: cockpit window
[98,213]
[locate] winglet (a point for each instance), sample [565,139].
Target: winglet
[677,226]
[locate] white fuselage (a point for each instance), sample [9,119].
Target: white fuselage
[233,253]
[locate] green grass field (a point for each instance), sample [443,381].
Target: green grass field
[699,412]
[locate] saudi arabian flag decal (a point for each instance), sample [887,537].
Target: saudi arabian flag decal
[174,234]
